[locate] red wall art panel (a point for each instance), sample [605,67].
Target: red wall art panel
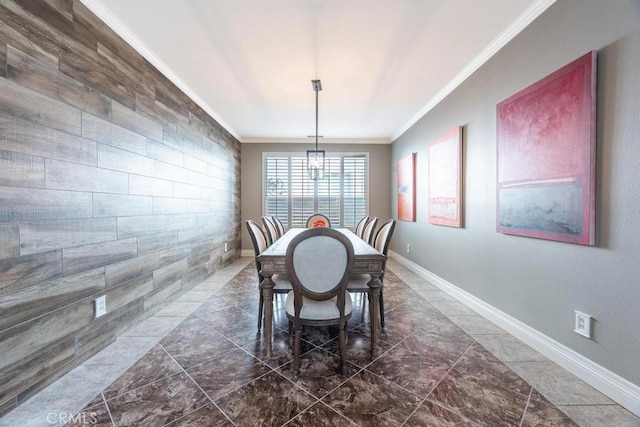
[407,188]
[445,179]
[546,157]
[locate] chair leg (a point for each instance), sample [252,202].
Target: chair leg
[290,332]
[381,309]
[343,350]
[296,350]
[260,306]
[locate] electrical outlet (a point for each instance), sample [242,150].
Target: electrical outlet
[226,247]
[101,306]
[408,248]
[583,324]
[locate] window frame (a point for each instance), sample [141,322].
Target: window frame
[329,154]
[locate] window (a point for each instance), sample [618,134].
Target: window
[291,196]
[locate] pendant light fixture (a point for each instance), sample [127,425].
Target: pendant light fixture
[315,158]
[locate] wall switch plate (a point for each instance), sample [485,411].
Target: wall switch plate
[101,306]
[226,247]
[583,324]
[408,248]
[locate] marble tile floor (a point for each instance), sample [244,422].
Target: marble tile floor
[200,362]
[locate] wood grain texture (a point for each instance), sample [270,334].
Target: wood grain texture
[124,271]
[28,105]
[30,138]
[43,297]
[129,291]
[120,160]
[29,337]
[70,176]
[169,273]
[81,258]
[146,186]
[41,236]
[129,226]
[150,107]
[112,181]
[88,71]
[9,239]
[15,377]
[33,41]
[105,204]
[29,204]
[129,119]
[161,151]
[47,80]
[22,271]
[3,73]
[99,130]
[157,242]
[17,169]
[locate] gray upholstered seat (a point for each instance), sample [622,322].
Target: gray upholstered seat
[319,263]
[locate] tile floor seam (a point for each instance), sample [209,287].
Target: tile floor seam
[448,371]
[342,383]
[414,411]
[393,382]
[207,394]
[526,407]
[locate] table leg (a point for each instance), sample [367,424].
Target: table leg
[266,287]
[374,309]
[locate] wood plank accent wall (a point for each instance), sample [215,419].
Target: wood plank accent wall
[112,182]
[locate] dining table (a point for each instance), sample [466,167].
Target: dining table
[367,260]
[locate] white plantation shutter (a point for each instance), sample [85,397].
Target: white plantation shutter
[290,195]
[302,203]
[329,191]
[354,189]
[276,199]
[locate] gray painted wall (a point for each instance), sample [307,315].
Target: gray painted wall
[542,282]
[251,177]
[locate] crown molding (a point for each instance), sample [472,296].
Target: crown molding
[322,141]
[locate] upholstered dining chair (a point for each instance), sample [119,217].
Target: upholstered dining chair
[360,226]
[358,282]
[278,224]
[271,230]
[259,241]
[367,234]
[319,263]
[318,220]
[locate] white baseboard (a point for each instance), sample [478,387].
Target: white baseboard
[618,389]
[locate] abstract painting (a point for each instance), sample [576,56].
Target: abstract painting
[407,188]
[445,179]
[546,156]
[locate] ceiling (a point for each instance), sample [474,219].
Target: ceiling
[383,63]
